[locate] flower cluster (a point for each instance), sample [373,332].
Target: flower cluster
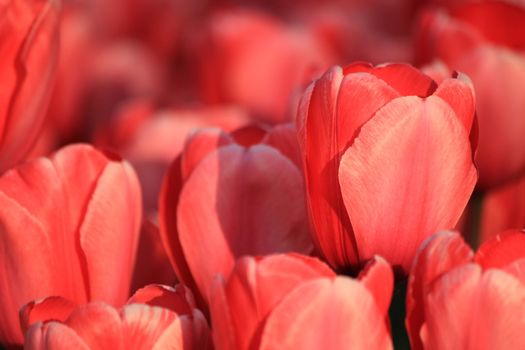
[245,175]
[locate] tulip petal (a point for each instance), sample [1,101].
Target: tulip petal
[240,306]
[99,325]
[284,138]
[174,337]
[28,60]
[53,335]
[186,334]
[499,22]
[459,94]
[249,135]
[404,78]
[178,299]
[400,182]
[517,269]
[456,38]
[497,74]
[437,255]
[108,205]
[143,325]
[49,198]
[377,276]
[338,107]
[329,314]
[302,114]
[168,203]
[199,145]
[502,250]
[25,250]
[503,209]
[459,306]
[246,217]
[48,309]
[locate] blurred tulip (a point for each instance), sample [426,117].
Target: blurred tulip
[28,52]
[261,305]
[159,24]
[152,263]
[503,209]
[253,60]
[156,317]
[486,41]
[77,44]
[121,72]
[70,227]
[379,177]
[222,198]
[373,31]
[151,139]
[458,300]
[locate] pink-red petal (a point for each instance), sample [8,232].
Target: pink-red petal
[116,210]
[48,309]
[327,313]
[439,254]
[401,183]
[502,250]
[378,278]
[231,206]
[468,309]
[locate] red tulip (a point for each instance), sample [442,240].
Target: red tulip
[137,123]
[156,317]
[296,302]
[152,263]
[77,44]
[458,300]
[371,30]
[255,61]
[70,227]
[486,41]
[503,209]
[387,159]
[222,198]
[28,52]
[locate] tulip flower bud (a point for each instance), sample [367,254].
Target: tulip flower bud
[70,227]
[387,160]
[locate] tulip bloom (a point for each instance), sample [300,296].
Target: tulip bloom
[486,41]
[387,159]
[137,123]
[503,209]
[293,302]
[255,61]
[458,300]
[28,52]
[222,198]
[156,317]
[70,227]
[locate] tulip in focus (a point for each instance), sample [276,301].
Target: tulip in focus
[486,41]
[387,159]
[222,198]
[156,317]
[70,227]
[28,54]
[460,300]
[296,302]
